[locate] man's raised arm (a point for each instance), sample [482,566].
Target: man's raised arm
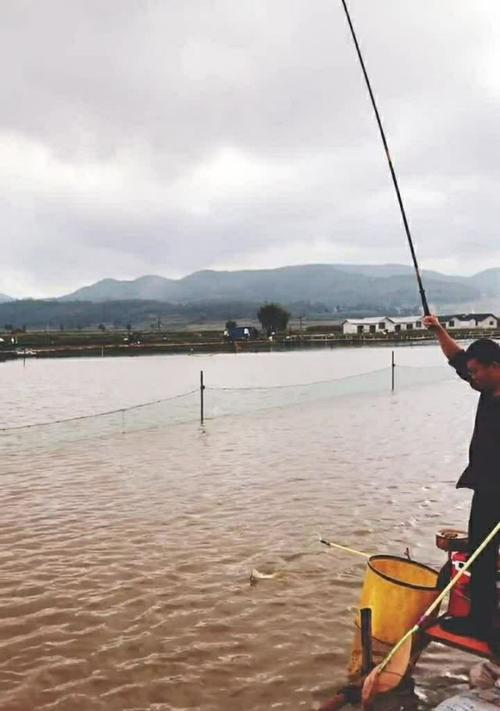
[448,345]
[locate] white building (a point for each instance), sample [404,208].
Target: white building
[367,325]
[398,324]
[486,321]
[382,324]
[407,323]
[470,321]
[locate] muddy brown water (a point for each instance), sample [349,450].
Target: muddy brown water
[125,560]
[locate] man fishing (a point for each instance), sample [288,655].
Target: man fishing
[479,365]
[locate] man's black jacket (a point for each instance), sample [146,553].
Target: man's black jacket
[483,471]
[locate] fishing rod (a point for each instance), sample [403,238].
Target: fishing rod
[331,544]
[423,297]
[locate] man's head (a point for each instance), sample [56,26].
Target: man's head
[483,364]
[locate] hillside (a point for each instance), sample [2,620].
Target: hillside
[341,287]
[322,291]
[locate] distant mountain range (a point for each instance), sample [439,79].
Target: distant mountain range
[337,286]
[4,298]
[314,290]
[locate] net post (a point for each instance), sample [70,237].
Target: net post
[202,398]
[393,367]
[366,640]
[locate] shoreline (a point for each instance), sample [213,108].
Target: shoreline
[281,343]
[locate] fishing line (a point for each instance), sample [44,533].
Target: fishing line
[423,297]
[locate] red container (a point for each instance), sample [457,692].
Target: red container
[459,602]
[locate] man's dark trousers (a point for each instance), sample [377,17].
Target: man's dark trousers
[484,516]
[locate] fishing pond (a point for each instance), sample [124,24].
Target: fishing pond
[127,544]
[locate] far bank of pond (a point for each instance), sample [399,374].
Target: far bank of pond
[120,343]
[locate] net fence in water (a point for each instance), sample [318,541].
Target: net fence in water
[158,413]
[218,401]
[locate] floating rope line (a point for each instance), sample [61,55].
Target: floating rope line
[299,385]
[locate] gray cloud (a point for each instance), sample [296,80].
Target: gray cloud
[164,137]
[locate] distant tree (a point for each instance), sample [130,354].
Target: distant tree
[101,327]
[273,317]
[9,327]
[230,324]
[61,327]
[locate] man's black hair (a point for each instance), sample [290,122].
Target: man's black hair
[484,350]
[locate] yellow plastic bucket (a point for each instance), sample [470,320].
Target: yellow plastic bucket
[398,591]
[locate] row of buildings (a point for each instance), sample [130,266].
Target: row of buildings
[397,324]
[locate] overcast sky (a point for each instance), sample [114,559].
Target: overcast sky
[166,136]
